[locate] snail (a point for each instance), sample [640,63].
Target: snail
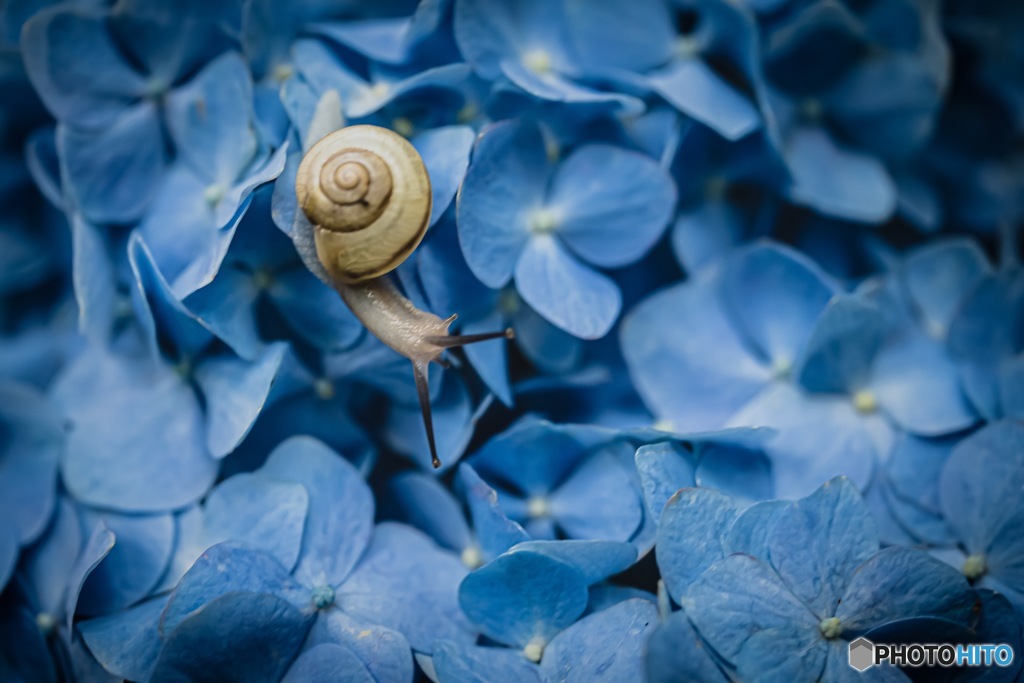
[366,192]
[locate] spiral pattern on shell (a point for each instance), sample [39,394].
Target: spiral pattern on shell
[367,192]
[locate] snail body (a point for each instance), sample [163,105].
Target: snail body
[367,194]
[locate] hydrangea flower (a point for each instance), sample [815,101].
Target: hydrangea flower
[531,598]
[805,577]
[791,353]
[519,217]
[220,161]
[558,485]
[39,605]
[551,50]
[147,420]
[321,573]
[104,76]
[979,496]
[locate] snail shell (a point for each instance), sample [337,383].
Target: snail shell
[367,192]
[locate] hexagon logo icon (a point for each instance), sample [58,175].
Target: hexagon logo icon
[862,654]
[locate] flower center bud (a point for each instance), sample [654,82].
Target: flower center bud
[262,279]
[543,221]
[830,628]
[324,389]
[538,61]
[534,650]
[323,597]
[403,126]
[781,368]
[538,506]
[865,402]
[213,194]
[283,72]
[46,623]
[975,567]
[472,557]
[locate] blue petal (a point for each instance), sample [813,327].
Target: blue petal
[837,181]
[471,664]
[328,663]
[127,643]
[47,564]
[98,543]
[495,533]
[210,120]
[675,653]
[235,391]
[1012,388]
[745,613]
[901,583]
[819,541]
[621,34]
[691,536]
[972,336]
[555,87]
[546,346]
[739,471]
[76,67]
[938,276]
[382,40]
[695,89]
[914,468]
[490,360]
[180,225]
[385,653]
[227,307]
[487,32]
[142,550]
[445,153]
[94,281]
[687,360]
[705,233]
[315,312]
[258,512]
[532,455]
[663,470]
[31,440]
[136,443]
[228,569]
[777,295]
[609,644]
[163,316]
[818,437]
[919,387]
[237,637]
[840,351]
[567,293]
[613,204]
[505,182]
[406,583]
[523,597]
[340,517]
[981,484]
[8,555]
[427,505]
[112,175]
[896,124]
[595,560]
[593,503]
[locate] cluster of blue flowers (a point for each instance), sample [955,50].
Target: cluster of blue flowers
[766,391]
